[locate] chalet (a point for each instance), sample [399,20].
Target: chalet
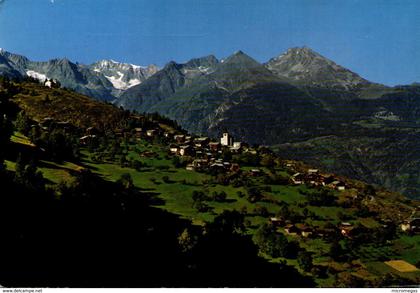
[411,225]
[138,135]
[226,139]
[298,178]
[179,138]
[201,141]
[63,123]
[186,150]
[234,167]
[227,165]
[328,179]
[325,233]
[217,166]
[405,226]
[277,221]
[291,229]
[91,130]
[147,154]
[338,185]
[255,172]
[200,163]
[251,151]
[235,149]
[47,121]
[190,167]
[305,231]
[85,140]
[151,132]
[174,149]
[312,178]
[119,132]
[346,229]
[214,146]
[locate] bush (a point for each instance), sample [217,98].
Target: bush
[304,260]
[220,197]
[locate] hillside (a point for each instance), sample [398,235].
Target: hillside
[40,102]
[216,213]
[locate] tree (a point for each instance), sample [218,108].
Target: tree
[261,211]
[126,181]
[323,197]
[284,212]
[230,222]
[349,280]
[219,196]
[305,261]
[28,175]
[186,240]
[254,194]
[272,243]
[22,123]
[336,251]
[267,161]
[6,127]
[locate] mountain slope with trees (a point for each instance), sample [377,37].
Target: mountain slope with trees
[122,210]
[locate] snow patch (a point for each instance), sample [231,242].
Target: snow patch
[119,84]
[205,70]
[134,82]
[137,67]
[37,75]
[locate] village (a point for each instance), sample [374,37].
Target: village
[206,155]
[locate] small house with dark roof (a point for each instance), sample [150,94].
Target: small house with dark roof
[291,229]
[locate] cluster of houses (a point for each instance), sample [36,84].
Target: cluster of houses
[300,229]
[411,225]
[315,178]
[207,153]
[89,137]
[48,123]
[347,230]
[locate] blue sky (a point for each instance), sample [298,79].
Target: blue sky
[380,40]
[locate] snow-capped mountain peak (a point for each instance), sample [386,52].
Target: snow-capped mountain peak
[123,75]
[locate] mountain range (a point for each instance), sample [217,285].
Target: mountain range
[104,80]
[302,104]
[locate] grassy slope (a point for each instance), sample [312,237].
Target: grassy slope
[176,195]
[40,102]
[176,198]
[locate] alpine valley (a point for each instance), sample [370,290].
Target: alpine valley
[303,105]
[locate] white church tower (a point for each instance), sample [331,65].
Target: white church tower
[226,140]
